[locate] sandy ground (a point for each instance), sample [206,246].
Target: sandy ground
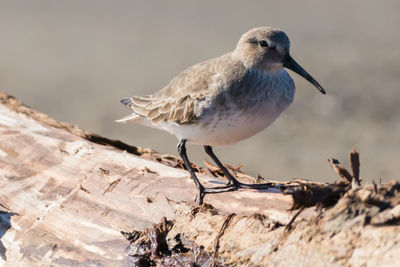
[75,59]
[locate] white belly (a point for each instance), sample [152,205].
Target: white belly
[223,132]
[228,129]
[225,128]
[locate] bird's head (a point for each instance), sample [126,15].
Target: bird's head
[268,48]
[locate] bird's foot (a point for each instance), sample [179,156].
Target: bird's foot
[238,185]
[256,186]
[213,190]
[232,185]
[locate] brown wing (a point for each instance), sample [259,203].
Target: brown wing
[177,101]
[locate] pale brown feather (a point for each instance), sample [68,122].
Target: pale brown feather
[178,101]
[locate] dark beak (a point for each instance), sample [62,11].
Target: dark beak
[291,64]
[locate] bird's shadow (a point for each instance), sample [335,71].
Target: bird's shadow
[5,224]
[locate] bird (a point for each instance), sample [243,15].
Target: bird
[224,100]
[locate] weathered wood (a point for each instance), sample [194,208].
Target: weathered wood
[355,165]
[66,195]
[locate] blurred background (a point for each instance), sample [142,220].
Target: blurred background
[74,60]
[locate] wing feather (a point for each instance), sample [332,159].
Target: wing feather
[177,102]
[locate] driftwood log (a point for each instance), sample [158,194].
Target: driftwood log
[68,197]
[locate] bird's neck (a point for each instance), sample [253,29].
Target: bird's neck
[272,68]
[251,61]
[248,58]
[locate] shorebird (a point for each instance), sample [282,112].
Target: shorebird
[224,100]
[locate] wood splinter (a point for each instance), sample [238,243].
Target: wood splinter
[341,171]
[344,174]
[355,165]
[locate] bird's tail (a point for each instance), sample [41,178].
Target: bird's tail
[130,118]
[127,102]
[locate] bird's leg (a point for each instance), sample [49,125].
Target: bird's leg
[202,190]
[232,180]
[182,153]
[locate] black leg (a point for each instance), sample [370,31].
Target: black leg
[202,191]
[232,180]
[182,153]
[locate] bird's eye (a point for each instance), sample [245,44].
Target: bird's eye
[263,43]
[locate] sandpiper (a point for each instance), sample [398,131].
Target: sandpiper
[224,100]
